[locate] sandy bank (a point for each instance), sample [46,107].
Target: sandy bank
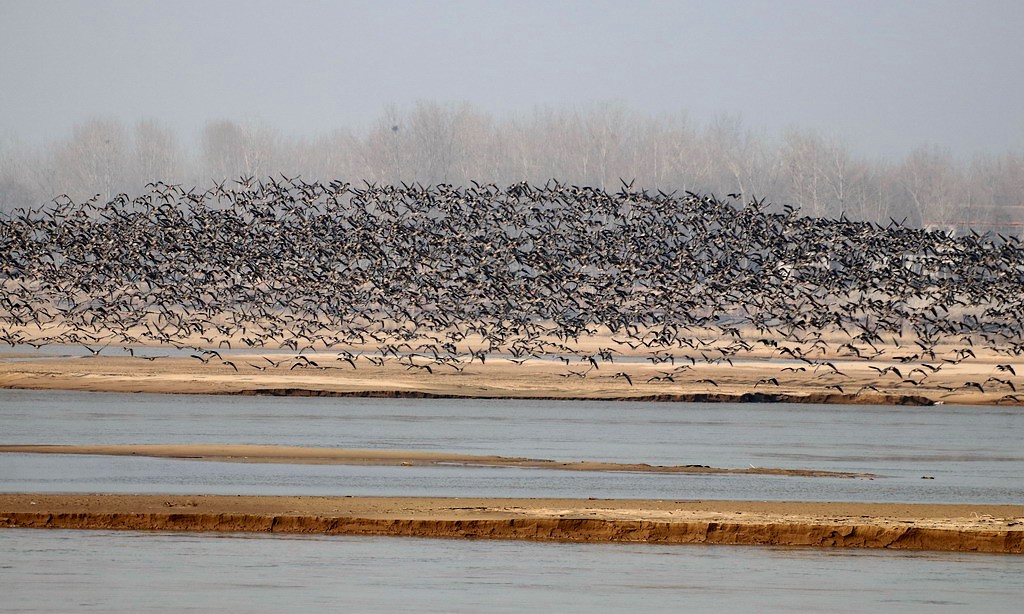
[343,456]
[967,528]
[505,379]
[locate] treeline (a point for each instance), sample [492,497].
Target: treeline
[433,143]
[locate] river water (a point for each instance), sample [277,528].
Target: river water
[973,454]
[73,571]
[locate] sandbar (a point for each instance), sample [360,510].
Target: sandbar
[962,528]
[502,378]
[349,456]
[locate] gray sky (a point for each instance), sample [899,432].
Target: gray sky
[885,76]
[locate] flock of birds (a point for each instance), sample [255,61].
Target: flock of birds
[434,278]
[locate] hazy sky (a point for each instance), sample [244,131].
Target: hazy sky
[884,76]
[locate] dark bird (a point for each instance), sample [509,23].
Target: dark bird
[1006,368]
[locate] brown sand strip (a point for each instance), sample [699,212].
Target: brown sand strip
[964,528]
[344,456]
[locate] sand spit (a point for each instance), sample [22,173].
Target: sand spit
[343,456]
[963,528]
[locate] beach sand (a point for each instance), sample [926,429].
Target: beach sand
[966,528]
[503,379]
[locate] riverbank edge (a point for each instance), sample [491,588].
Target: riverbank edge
[482,523]
[555,530]
[746,397]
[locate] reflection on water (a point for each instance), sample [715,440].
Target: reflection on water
[50,571]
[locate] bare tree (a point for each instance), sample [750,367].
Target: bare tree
[996,192]
[156,156]
[386,150]
[16,189]
[231,150]
[933,187]
[594,145]
[93,161]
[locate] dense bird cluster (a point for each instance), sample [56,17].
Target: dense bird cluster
[444,275]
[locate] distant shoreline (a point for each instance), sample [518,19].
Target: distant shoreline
[956,528]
